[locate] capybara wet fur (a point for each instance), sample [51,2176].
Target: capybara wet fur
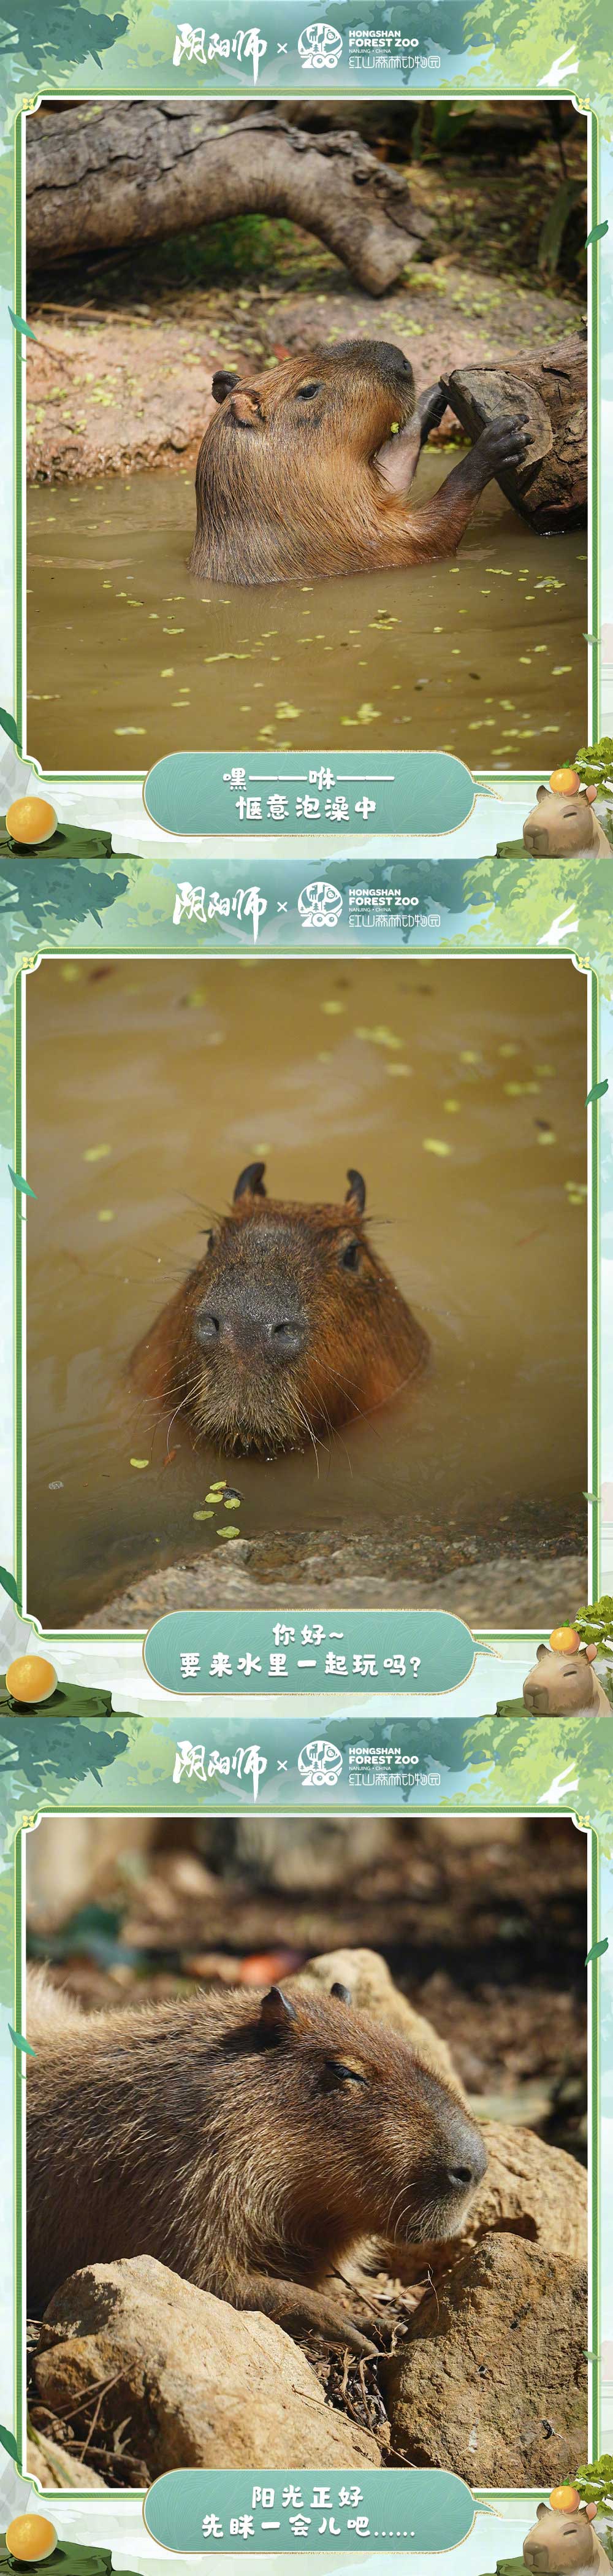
[306,470]
[245,2140]
[290,1326]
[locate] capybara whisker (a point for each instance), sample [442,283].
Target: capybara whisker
[288,1328]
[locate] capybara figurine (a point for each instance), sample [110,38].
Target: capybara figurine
[561,827]
[246,2140]
[558,1685]
[290,1326]
[564,2544]
[306,471]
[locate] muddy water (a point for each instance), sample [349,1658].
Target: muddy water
[129,658]
[458,1087]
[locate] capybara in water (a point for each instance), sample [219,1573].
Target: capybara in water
[564,2544]
[558,1684]
[289,1326]
[244,2140]
[560,826]
[306,471]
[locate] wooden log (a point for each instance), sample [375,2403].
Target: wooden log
[551,489]
[106,177]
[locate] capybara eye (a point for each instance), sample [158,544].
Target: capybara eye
[350,1256]
[305,392]
[211,1238]
[346,2074]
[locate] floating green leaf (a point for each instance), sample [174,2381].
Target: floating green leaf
[9,726]
[8,2442]
[597,1950]
[19,1183]
[597,233]
[24,2045]
[597,1092]
[24,328]
[8,1584]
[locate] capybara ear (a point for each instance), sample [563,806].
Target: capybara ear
[224,381]
[276,2012]
[250,1183]
[356,1194]
[540,1652]
[342,1993]
[540,793]
[540,2510]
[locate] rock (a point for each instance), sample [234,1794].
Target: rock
[53,2467]
[203,2384]
[530,2190]
[372,1989]
[491,2381]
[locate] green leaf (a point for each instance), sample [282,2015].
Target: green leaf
[9,726]
[24,2045]
[19,1183]
[24,328]
[597,1950]
[597,233]
[597,1092]
[8,2442]
[8,1584]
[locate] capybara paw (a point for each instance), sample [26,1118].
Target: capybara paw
[431,406]
[504,442]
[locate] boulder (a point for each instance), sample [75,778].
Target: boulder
[530,2190]
[372,1989]
[492,2380]
[204,2385]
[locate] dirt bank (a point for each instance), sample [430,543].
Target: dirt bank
[518,1592]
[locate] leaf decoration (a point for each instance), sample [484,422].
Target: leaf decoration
[597,1092]
[597,1950]
[9,726]
[9,1585]
[23,328]
[8,2443]
[24,2045]
[597,233]
[19,1183]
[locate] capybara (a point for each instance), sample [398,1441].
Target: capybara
[560,826]
[564,2544]
[244,2140]
[290,1325]
[558,1685]
[306,470]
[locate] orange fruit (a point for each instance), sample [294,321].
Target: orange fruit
[31,1677]
[564,782]
[565,2499]
[31,2536]
[564,1641]
[31,819]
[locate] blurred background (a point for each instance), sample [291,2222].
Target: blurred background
[481,1921]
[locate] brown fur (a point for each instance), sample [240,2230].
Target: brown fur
[221,2135]
[294,484]
[564,2544]
[558,1684]
[299,1342]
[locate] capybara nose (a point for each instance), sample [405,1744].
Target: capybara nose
[538,843]
[261,1329]
[467,2156]
[537,1701]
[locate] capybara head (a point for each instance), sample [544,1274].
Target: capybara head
[357,2105]
[276,464]
[560,2541]
[289,1326]
[558,825]
[559,1682]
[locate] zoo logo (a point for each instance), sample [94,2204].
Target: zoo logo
[320,905]
[320,1764]
[320,47]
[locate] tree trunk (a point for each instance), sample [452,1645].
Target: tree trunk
[105,178]
[551,489]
